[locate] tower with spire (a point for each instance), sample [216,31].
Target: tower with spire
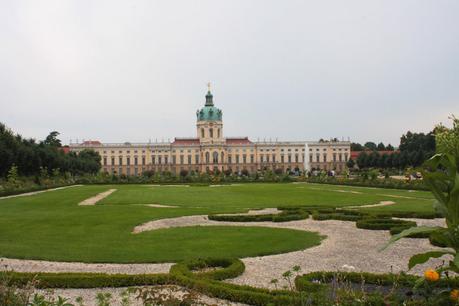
[209,121]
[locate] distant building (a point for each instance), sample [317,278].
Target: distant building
[210,151]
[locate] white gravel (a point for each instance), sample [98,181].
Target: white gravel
[25,265]
[345,246]
[93,200]
[382,203]
[27,194]
[89,295]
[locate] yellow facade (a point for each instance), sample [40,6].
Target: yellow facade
[210,151]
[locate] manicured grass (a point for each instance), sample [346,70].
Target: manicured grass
[51,226]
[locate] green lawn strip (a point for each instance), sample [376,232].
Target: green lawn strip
[52,226]
[163,245]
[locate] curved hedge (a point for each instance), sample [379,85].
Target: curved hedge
[285,215]
[383,223]
[226,268]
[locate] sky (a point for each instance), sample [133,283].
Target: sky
[136,71]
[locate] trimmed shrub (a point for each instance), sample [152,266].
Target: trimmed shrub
[285,215]
[383,223]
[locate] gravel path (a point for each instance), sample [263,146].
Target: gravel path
[89,296]
[382,203]
[345,245]
[93,200]
[24,265]
[345,248]
[27,194]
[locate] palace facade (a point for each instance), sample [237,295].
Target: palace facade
[210,150]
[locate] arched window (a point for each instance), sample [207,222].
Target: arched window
[215,157]
[211,133]
[207,157]
[223,157]
[218,133]
[202,133]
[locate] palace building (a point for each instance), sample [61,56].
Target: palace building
[211,150]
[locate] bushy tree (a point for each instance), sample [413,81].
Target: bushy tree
[30,157]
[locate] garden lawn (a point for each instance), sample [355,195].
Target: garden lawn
[51,225]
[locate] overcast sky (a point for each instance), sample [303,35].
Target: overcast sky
[120,71]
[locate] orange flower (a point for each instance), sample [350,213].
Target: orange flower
[454,295]
[431,275]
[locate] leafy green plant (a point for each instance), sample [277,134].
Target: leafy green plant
[441,174]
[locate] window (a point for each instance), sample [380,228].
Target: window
[218,133]
[181,159]
[325,157]
[261,158]
[120,161]
[340,157]
[128,161]
[215,157]
[189,159]
[252,158]
[143,160]
[237,159]
[223,157]
[136,161]
[113,161]
[105,161]
[196,159]
[244,158]
[267,158]
[310,158]
[174,159]
[207,157]
[153,160]
[202,133]
[229,159]
[211,133]
[274,158]
[334,157]
[136,171]
[317,157]
[165,160]
[282,158]
[296,158]
[289,158]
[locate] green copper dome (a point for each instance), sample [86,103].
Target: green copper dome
[209,112]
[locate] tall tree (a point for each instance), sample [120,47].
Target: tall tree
[370,145]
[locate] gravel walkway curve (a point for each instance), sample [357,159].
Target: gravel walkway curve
[25,265]
[27,194]
[346,247]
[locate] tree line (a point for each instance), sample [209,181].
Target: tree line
[33,158]
[414,149]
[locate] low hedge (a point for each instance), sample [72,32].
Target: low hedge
[398,229]
[383,223]
[181,274]
[379,183]
[89,280]
[10,192]
[226,268]
[335,216]
[319,279]
[285,215]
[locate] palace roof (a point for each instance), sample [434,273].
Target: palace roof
[185,141]
[239,140]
